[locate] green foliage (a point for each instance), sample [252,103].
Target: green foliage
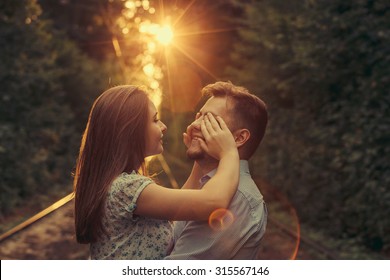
[87,23]
[323,67]
[47,85]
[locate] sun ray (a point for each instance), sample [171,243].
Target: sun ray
[177,35]
[162,9]
[211,31]
[183,13]
[194,61]
[169,78]
[165,35]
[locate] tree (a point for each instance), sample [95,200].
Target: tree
[323,68]
[38,128]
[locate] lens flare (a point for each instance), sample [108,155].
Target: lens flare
[165,35]
[221,219]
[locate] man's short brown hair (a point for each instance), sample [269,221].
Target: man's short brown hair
[246,111]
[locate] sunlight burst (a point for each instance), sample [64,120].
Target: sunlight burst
[165,35]
[170,40]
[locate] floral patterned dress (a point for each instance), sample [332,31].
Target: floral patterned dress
[129,236]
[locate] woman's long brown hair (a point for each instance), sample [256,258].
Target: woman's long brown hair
[113,142]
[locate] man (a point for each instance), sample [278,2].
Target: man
[234,233]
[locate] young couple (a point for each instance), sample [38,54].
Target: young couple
[124,214]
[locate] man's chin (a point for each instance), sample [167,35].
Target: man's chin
[195,154]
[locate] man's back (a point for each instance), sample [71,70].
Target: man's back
[239,240]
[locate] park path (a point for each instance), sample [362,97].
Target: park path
[52,238]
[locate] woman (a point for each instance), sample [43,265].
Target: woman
[121,212]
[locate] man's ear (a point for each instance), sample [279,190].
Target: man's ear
[241,136]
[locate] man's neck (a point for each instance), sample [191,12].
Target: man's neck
[207,165]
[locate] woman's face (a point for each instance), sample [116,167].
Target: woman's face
[154,132]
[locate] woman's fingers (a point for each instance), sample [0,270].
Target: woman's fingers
[213,122]
[222,123]
[204,127]
[213,125]
[218,140]
[203,145]
[186,139]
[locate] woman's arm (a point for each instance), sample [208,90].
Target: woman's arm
[172,204]
[193,180]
